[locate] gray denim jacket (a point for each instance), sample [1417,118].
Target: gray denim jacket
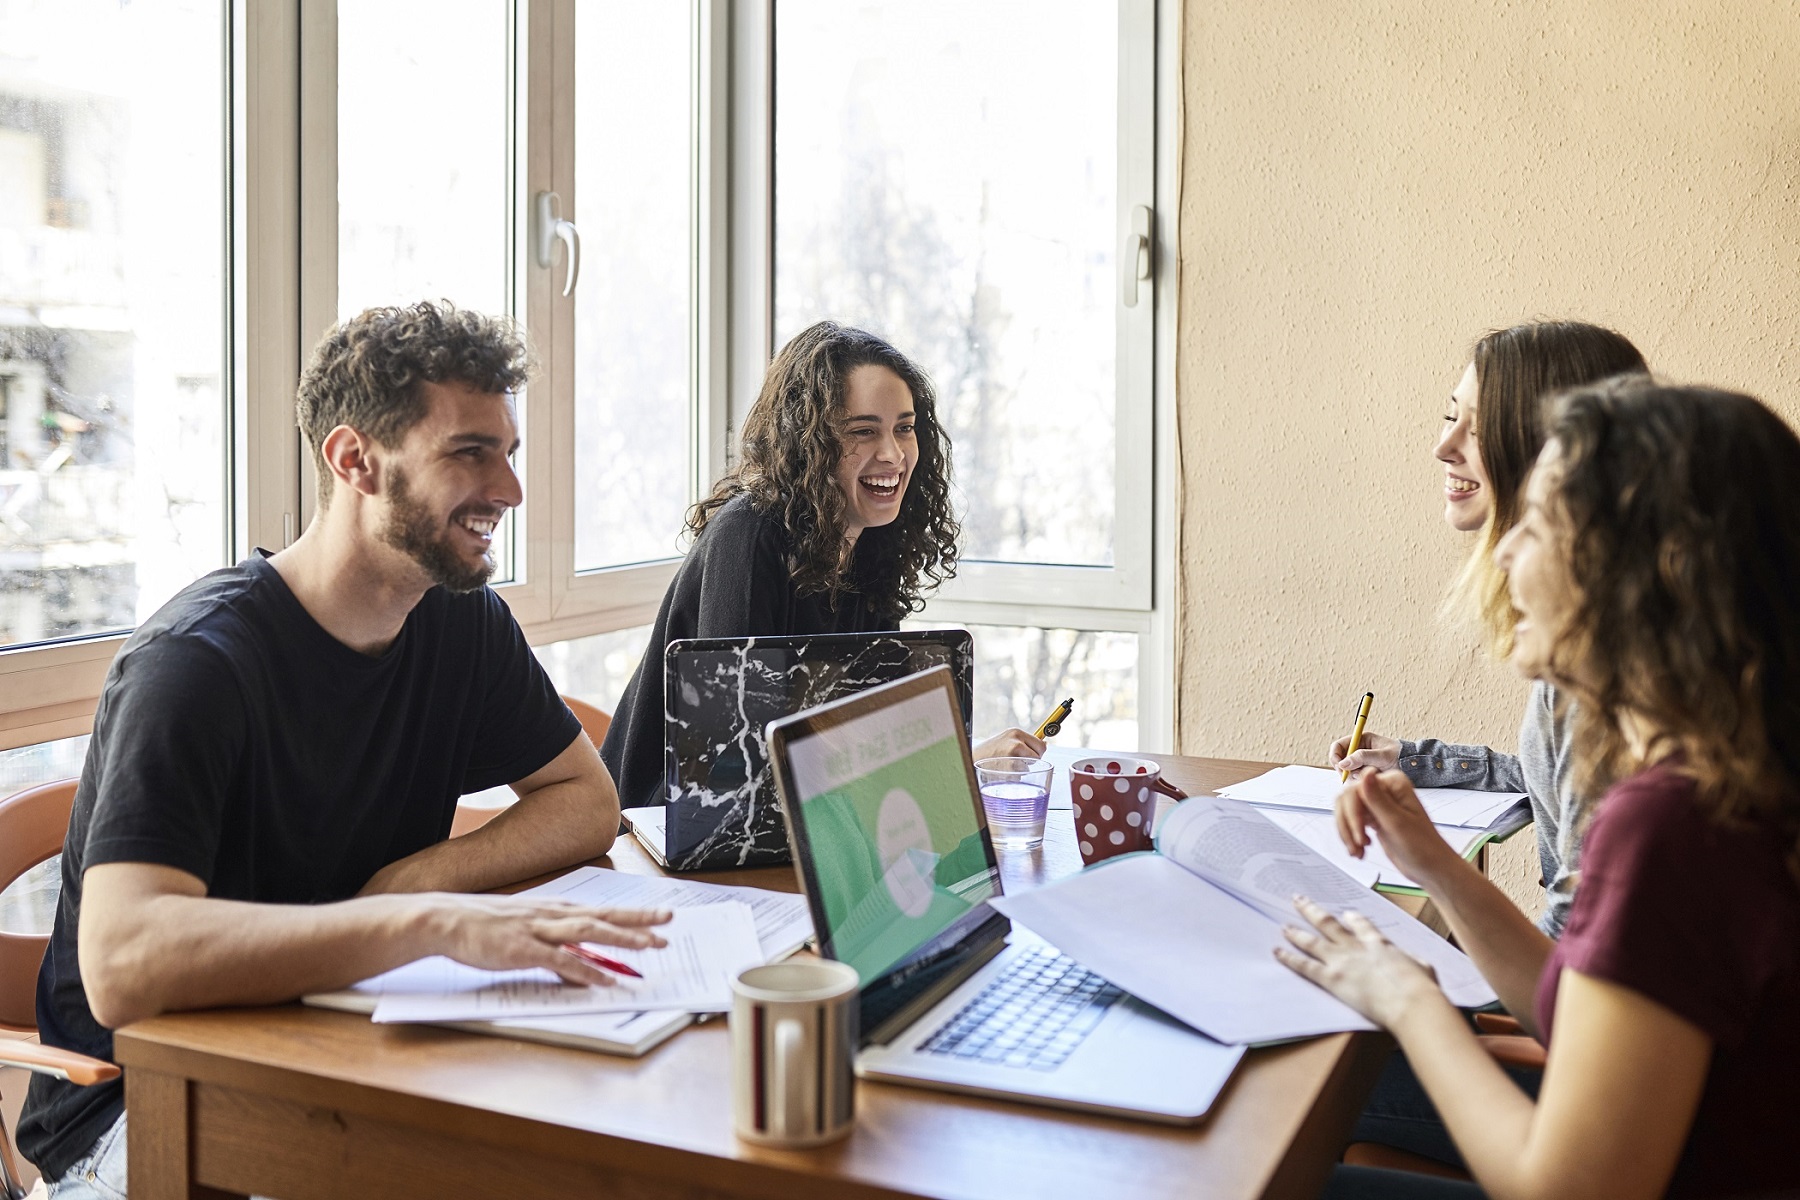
[1540,770]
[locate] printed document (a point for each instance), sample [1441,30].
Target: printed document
[1191,929]
[782,921]
[707,947]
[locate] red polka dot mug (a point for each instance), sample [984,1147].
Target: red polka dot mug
[1115,804]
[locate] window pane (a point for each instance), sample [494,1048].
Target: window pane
[633,176]
[597,668]
[946,175]
[424,172]
[112,318]
[424,164]
[1022,673]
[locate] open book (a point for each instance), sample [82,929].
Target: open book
[1192,927]
[1301,800]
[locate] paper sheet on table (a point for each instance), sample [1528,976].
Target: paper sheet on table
[707,947]
[1319,832]
[782,920]
[1191,929]
[1318,788]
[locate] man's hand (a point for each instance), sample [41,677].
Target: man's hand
[1349,958]
[508,932]
[1377,753]
[1010,743]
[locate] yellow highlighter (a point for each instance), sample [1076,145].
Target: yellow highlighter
[1362,720]
[1053,723]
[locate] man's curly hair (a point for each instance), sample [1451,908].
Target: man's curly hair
[792,444]
[366,371]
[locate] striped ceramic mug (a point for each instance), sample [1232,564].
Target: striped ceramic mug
[793,1051]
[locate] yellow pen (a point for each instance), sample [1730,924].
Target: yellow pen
[1053,723]
[1362,719]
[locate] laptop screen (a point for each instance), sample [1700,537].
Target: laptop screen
[898,853]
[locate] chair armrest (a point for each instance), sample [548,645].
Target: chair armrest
[64,1064]
[1498,1023]
[1514,1051]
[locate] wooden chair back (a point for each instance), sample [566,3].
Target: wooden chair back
[33,824]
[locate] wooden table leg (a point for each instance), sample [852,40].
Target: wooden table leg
[158,1157]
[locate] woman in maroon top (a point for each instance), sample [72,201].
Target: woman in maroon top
[1656,574]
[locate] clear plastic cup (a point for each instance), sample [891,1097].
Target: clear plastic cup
[1015,792]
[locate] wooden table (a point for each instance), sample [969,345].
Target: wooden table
[304,1104]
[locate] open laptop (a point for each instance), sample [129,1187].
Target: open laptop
[719,694]
[895,857]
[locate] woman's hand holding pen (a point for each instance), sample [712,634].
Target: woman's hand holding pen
[1385,805]
[1010,743]
[1378,753]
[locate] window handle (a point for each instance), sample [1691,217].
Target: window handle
[550,229]
[1135,262]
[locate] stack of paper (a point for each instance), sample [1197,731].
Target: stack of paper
[1301,800]
[716,932]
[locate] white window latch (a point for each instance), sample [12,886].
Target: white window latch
[550,228]
[1135,261]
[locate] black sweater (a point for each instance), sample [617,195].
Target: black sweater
[735,582]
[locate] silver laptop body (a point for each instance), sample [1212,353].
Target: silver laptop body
[893,850]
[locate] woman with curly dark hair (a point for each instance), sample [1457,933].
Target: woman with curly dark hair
[1656,576]
[836,519]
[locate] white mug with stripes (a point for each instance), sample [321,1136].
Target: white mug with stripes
[793,1050]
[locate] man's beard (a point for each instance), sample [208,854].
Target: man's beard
[414,532]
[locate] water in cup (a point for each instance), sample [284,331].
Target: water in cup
[1016,794]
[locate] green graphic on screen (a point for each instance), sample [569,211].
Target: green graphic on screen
[898,856]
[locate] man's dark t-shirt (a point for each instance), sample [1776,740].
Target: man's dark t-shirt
[734,582]
[237,740]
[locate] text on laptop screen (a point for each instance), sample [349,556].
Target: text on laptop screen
[891,822]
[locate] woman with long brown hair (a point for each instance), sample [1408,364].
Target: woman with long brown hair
[1492,434]
[836,519]
[1655,572]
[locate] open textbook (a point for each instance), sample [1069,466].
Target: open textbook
[1191,928]
[1301,801]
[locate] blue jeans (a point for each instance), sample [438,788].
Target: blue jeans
[97,1175]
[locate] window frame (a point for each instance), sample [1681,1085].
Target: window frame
[281,260]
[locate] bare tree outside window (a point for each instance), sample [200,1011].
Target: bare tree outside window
[946,176]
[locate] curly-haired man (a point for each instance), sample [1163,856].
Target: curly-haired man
[278,751]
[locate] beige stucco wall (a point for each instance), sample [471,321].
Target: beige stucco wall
[1367,187]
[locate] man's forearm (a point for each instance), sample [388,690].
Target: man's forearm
[1487,1115]
[554,827]
[1507,948]
[178,952]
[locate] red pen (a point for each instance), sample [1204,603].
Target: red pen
[601,961]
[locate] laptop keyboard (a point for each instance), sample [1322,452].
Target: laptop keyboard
[1034,1015]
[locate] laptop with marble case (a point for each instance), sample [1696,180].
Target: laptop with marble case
[719,694]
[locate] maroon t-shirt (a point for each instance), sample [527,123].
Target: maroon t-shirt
[1705,921]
